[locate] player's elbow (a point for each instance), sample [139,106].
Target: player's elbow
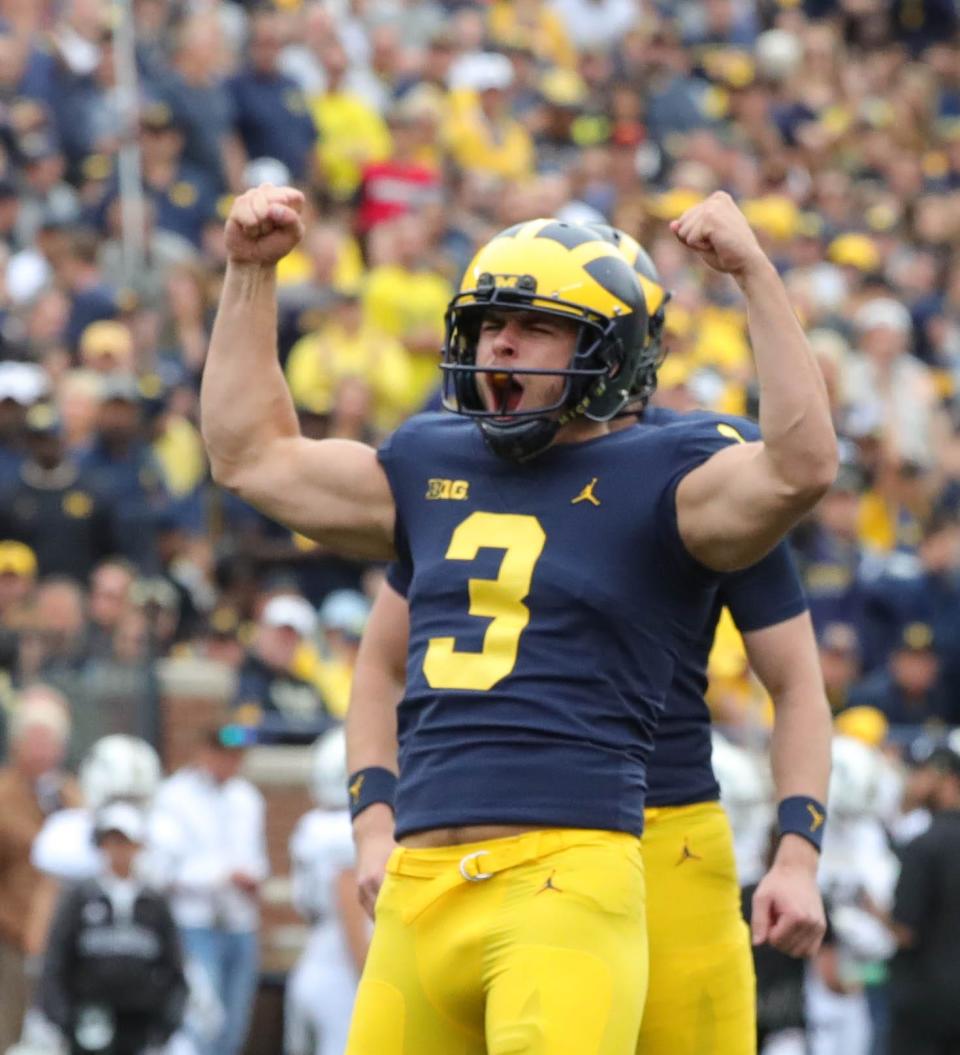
[809,476]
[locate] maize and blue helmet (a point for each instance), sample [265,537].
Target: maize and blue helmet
[567,271]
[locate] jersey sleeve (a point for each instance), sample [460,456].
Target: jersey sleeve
[767,593]
[688,445]
[398,576]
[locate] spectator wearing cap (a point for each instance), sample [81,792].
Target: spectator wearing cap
[207,829]
[113,952]
[907,689]
[883,373]
[32,786]
[343,616]
[268,691]
[124,469]
[106,347]
[839,650]
[182,197]
[924,587]
[482,135]
[597,25]
[272,118]
[926,922]
[54,507]
[45,194]
[18,577]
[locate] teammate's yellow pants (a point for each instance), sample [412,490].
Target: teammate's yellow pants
[529,945]
[701,997]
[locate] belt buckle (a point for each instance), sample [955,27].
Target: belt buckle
[478,877]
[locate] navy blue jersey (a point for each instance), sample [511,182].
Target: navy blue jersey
[767,593]
[679,771]
[548,603]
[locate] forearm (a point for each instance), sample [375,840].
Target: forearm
[244,400]
[795,420]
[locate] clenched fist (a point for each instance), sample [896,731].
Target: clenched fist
[264,225]
[719,232]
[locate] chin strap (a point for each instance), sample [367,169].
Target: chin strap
[519,440]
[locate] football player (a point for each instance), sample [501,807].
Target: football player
[556,570]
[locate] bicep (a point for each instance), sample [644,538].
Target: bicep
[732,509]
[332,491]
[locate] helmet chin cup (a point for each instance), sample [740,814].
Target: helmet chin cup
[518,441]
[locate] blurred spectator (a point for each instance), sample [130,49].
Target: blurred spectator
[32,786]
[267,690]
[54,507]
[351,132]
[91,299]
[347,345]
[125,471]
[271,115]
[21,386]
[908,690]
[109,600]
[829,551]
[402,297]
[926,915]
[840,661]
[483,135]
[403,180]
[208,830]
[202,107]
[343,617]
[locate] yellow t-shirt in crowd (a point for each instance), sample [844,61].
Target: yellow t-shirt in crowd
[321,360]
[533,24]
[505,150]
[351,134]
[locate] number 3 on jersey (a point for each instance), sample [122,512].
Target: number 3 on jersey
[501,600]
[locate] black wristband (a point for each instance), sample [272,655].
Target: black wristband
[370,785]
[803,816]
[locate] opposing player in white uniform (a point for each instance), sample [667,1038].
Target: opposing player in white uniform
[746,793]
[321,988]
[858,874]
[116,767]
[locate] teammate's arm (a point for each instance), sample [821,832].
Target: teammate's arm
[735,506]
[787,907]
[333,491]
[378,682]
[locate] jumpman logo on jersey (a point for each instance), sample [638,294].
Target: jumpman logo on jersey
[687,854]
[355,787]
[816,817]
[587,495]
[548,885]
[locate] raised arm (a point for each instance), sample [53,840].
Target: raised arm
[378,683]
[787,908]
[333,491]
[734,507]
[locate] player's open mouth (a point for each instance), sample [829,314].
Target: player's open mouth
[505,392]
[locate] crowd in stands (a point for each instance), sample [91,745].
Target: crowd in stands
[417,129]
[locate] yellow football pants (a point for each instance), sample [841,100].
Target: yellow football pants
[702,993]
[528,945]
